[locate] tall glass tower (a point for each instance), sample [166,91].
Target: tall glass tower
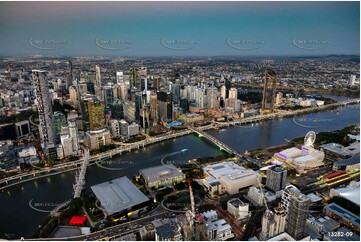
[46,127]
[269,91]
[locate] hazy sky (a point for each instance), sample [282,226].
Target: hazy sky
[179,28]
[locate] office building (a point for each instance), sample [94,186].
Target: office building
[115,128]
[120,77]
[59,121]
[165,107]
[46,125]
[98,138]
[212,98]
[200,98]
[133,129]
[123,126]
[153,107]
[74,135]
[116,109]
[70,77]
[93,113]
[276,178]
[269,91]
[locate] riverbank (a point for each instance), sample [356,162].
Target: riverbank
[74,165]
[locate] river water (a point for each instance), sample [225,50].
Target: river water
[18,219]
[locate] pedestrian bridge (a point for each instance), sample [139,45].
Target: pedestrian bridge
[217,142]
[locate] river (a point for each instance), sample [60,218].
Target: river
[18,219]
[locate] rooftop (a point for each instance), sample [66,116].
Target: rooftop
[118,195]
[344,213]
[161,172]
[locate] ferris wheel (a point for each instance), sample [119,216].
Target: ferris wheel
[310,138]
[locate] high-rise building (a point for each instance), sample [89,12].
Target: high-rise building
[144,84]
[269,91]
[120,77]
[59,121]
[233,93]
[279,97]
[165,107]
[223,92]
[175,93]
[276,178]
[153,107]
[46,127]
[296,205]
[74,135]
[212,98]
[97,76]
[156,84]
[138,105]
[129,111]
[273,223]
[108,96]
[93,113]
[70,75]
[98,82]
[199,97]
[116,109]
[123,92]
[228,85]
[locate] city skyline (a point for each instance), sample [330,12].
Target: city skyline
[179,28]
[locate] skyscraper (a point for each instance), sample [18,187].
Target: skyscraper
[276,178]
[269,91]
[165,107]
[296,205]
[59,121]
[153,107]
[73,132]
[46,127]
[233,93]
[175,93]
[273,223]
[98,82]
[212,98]
[120,77]
[70,75]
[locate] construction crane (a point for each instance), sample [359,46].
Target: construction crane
[194,217]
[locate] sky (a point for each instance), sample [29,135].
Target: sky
[179,28]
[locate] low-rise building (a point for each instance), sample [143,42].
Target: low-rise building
[98,138]
[162,175]
[133,129]
[238,209]
[228,177]
[302,160]
[342,215]
[219,230]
